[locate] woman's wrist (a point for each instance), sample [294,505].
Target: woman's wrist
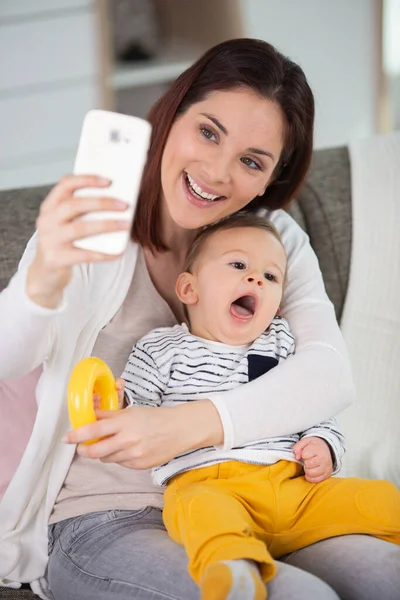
[202,424]
[46,297]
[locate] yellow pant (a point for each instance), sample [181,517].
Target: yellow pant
[234,510]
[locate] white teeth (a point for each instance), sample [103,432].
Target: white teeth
[198,189]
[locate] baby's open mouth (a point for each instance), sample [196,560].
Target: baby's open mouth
[244,307]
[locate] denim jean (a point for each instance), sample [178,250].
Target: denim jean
[124,554]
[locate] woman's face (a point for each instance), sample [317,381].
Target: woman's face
[220,155]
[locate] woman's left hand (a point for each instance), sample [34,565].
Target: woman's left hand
[142,437]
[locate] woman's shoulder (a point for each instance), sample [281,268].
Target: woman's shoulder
[294,238]
[284,222]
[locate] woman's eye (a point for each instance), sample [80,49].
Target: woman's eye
[269,277]
[208,133]
[238,265]
[252,164]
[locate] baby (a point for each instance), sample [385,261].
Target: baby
[235,510]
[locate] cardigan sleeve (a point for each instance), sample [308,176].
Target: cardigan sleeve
[27,330]
[316,383]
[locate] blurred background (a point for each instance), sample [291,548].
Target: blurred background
[61,58]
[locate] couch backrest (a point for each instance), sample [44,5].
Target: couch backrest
[323,209]
[19,210]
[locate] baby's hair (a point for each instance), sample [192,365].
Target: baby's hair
[236,221]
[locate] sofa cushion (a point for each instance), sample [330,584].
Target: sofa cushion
[19,210]
[371,317]
[22,594]
[323,209]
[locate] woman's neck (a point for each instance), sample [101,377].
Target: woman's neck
[177,239]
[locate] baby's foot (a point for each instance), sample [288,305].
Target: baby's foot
[232,580]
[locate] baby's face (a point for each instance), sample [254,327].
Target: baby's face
[238,282]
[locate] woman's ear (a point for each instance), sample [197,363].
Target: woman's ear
[186,288]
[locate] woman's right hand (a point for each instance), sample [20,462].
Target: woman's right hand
[57,229]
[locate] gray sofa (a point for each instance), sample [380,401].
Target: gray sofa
[323,209]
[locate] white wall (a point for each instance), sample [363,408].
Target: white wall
[336,43]
[391,60]
[49,79]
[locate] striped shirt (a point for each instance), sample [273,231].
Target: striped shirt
[170,366]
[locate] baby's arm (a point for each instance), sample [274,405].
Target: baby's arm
[144,381]
[321,449]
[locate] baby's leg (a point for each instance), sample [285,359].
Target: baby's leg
[217,532]
[233,580]
[313,512]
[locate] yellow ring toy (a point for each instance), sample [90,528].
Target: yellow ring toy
[90,376]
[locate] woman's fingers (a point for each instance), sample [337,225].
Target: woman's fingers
[72,208]
[81,229]
[66,187]
[77,230]
[69,256]
[58,226]
[102,449]
[68,212]
[98,429]
[60,251]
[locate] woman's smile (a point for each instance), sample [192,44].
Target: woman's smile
[198,195]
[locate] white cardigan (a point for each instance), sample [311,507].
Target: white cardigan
[312,387]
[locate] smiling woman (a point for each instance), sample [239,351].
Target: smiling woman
[235,127]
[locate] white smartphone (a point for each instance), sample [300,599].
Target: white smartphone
[114,146]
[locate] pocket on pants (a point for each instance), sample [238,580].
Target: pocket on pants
[95,527]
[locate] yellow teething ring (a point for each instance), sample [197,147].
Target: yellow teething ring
[90,376]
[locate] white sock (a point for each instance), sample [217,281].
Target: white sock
[243,587]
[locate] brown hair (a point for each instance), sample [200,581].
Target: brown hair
[235,221]
[240,63]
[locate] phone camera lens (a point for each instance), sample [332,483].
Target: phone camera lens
[115,136]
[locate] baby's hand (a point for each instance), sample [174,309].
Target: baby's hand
[316,457]
[119,385]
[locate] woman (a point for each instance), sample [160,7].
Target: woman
[234,131]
